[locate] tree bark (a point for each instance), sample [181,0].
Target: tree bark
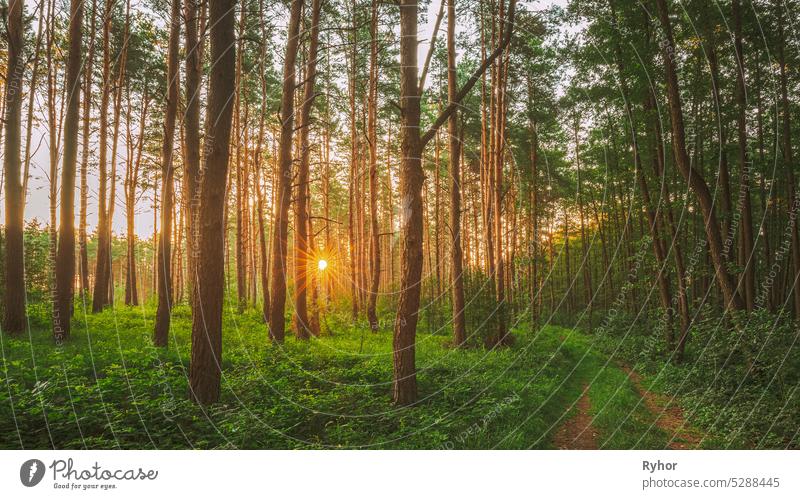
[85,153]
[788,163]
[277,318]
[131,182]
[65,259]
[746,249]
[303,250]
[14,318]
[404,389]
[164,310]
[191,136]
[372,138]
[456,254]
[206,362]
[102,267]
[696,182]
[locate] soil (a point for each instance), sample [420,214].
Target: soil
[669,416]
[577,433]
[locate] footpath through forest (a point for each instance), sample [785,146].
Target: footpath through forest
[584,426]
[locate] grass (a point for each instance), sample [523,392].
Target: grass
[107,387]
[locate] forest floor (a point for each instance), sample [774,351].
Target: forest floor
[107,387]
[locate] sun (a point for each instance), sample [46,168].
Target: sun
[322,264]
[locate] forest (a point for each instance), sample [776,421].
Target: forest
[455,224]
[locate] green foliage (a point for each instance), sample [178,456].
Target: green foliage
[740,386]
[107,387]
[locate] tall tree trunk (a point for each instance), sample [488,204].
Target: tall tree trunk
[53,124]
[191,136]
[456,256]
[726,206]
[102,268]
[65,259]
[696,182]
[404,391]
[404,387]
[164,310]
[14,319]
[535,290]
[585,263]
[652,214]
[788,163]
[131,183]
[302,249]
[262,239]
[239,174]
[85,153]
[206,363]
[277,318]
[746,249]
[372,138]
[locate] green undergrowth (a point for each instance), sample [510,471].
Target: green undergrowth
[107,387]
[741,389]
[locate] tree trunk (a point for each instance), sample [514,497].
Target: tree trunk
[302,250]
[14,318]
[404,390]
[164,311]
[102,268]
[372,104]
[85,153]
[788,164]
[456,256]
[191,136]
[746,250]
[240,173]
[65,260]
[694,178]
[277,318]
[206,363]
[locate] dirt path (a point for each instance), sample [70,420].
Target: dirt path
[669,416]
[577,433]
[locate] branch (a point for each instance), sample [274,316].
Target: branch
[452,106]
[430,49]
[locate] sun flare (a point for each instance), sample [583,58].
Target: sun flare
[322,264]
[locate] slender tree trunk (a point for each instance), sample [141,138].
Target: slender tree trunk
[240,126]
[585,263]
[788,164]
[404,390]
[65,259]
[191,136]
[14,318]
[164,311]
[352,185]
[302,234]
[85,153]
[652,215]
[206,363]
[132,181]
[262,239]
[694,178]
[277,319]
[746,249]
[102,270]
[456,256]
[372,138]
